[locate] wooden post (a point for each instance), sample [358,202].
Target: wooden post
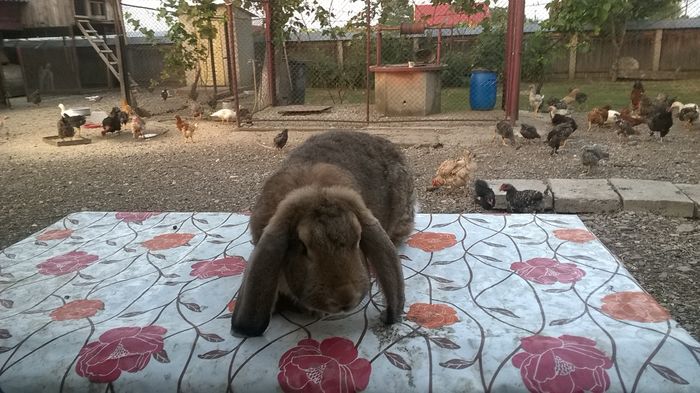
[269,46]
[125,81]
[4,100]
[232,61]
[368,47]
[514,37]
[340,56]
[658,38]
[213,64]
[573,52]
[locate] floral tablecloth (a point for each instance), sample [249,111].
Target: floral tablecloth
[141,302]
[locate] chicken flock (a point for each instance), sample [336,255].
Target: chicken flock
[656,114]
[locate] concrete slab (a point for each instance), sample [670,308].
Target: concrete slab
[653,196]
[520,184]
[692,191]
[584,196]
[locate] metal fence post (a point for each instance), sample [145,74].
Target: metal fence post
[367,56]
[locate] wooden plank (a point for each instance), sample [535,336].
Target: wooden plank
[291,110]
[56,141]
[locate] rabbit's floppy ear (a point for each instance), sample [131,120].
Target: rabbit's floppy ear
[258,292]
[382,256]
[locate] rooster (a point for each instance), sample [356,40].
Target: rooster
[505,130]
[454,172]
[535,99]
[525,201]
[687,113]
[590,155]
[484,195]
[636,95]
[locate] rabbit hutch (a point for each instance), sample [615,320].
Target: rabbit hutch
[59,46]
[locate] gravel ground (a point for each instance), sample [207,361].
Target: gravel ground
[224,170]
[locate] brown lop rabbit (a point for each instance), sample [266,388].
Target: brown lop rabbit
[334,209]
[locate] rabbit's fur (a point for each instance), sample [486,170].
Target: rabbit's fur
[330,212]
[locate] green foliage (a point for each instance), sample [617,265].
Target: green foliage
[489,51]
[189,47]
[539,51]
[395,12]
[456,74]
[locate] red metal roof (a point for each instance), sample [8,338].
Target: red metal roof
[444,15]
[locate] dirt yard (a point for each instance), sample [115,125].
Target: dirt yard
[224,169]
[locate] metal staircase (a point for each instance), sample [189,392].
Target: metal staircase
[98,43]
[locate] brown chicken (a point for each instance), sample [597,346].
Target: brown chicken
[598,116]
[636,95]
[181,124]
[454,173]
[575,95]
[627,115]
[188,132]
[138,126]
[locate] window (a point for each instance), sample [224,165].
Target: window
[97,8]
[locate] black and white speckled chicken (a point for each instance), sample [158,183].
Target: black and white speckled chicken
[625,129]
[591,155]
[505,130]
[529,132]
[65,128]
[484,195]
[525,201]
[687,113]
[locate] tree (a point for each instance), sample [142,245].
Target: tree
[395,12]
[589,18]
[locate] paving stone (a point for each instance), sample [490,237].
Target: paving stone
[692,191]
[653,196]
[520,184]
[584,196]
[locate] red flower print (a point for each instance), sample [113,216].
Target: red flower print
[547,271]
[224,267]
[67,263]
[77,309]
[137,217]
[432,241]
[331,366]
[574,235]
[563,364]
[55,234]
[122,349]
[168,240]
[231,305]
[634,306]
[432,316]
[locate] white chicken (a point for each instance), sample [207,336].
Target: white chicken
[225,115]
[535,99]
[454,172]
[687,113]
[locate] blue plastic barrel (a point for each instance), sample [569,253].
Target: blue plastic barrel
[482,90]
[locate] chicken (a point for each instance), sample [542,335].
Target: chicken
[111,123]
[74,118]
[138,126]
[556,103]
[485,196]
[196,109]
[164,94]
[558,115]
[505,130]
[180,124]
[590,155]
[558,135]
[575,95]
[627,115]
[525,201]
[529,132]
[661,119]
[597,116]
[687,113]
[535,99]
[34,98]
[65,128]
[454,173]
[225,115]
[245,116]
[188,132]
[636,96]
[625,129]
[94,98]
[281,139]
